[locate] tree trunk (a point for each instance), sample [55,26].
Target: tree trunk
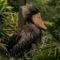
[20,16]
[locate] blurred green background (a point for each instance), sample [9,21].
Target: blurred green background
[49,48]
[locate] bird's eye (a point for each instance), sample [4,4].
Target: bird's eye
[37,15]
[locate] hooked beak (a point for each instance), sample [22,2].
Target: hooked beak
[37,20]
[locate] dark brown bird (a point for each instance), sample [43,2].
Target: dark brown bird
[30,34]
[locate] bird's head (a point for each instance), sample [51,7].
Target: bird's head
[32,15]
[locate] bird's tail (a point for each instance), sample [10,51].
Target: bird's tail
[12,41]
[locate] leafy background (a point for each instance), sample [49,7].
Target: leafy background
[49,48]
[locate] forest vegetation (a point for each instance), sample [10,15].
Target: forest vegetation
[49,47]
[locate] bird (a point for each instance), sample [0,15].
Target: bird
[30,34]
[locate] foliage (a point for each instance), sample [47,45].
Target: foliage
[49,48]
[15,4]
[8,22]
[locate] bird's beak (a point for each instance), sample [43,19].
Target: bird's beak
[37,20]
